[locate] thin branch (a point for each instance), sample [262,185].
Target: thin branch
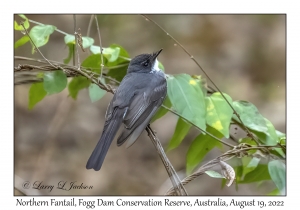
[90,25]
[37,47]
[60,63]
[70,71]
[101,53]
[195,61]
[76,42]
[38,23]
[201,171]
[177,185]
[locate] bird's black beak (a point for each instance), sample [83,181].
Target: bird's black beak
[155,54]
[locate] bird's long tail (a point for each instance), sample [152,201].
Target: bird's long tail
[110,129]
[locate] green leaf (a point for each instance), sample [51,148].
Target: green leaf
[274,192]
[214,174]
[201,145]
[247,140]
[70,42]
[40,35]
[20,27]
[118,73]
[123,57]
[162,111]
[70,55]
[223,183]
[95,49]
[187,98]
[23,40]
[93,62]
[95,92]
[239,170]
[281,136]
[260,173]
[55,81]
[76,84]
[202,82]
[277,172]
[36,94]
[111,54]
[181,130]
[271,131]
[69,39]
[255,122]
[86,41]
[219,113]
[250,164]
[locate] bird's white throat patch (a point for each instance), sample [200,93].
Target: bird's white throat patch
[155,67]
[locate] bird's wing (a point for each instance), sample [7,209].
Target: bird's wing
[140,111]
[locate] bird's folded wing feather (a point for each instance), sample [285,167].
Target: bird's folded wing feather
[140,111]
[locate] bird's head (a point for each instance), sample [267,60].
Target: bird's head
[144,63]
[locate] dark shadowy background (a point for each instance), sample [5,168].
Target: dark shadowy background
[245,55]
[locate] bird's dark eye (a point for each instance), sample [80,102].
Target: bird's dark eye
[146,63]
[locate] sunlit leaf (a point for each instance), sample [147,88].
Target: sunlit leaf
[86,41]
[123,57]
[23,40]
[219,113]
[111,54]
[274,192]
[40,35]
[187,98]
[25,23]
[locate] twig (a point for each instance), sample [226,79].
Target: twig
[177,185]
[60,63]
[36,47]
[201,171]
[90,25]
[76,42]
[195,61]
[70,71]
[101,54]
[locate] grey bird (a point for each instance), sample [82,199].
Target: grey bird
[140,94]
